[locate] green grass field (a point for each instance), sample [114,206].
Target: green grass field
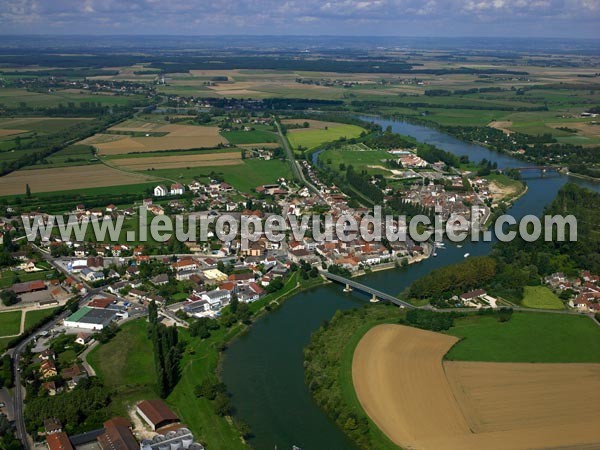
[244,177]
[526,337]
[33,318]
[249,137]
[309,138]
[360,159]
[7,276]
[541,297]
[40,124]
[10,323]
[4,343]
[200,361]
[74,155]
[126,366]
[12,97]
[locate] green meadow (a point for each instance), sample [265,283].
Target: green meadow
[526,337]
[309,138]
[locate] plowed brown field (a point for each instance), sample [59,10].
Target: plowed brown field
[180,137]
[6,132]
[171,162]
[421,403]
[66,178]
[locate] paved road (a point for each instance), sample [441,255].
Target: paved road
[296,169]
[16,353]
[19,391]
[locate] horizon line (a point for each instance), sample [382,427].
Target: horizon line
[97,35]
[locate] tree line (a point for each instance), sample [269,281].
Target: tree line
[167,352]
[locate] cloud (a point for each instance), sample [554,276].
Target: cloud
[295,16]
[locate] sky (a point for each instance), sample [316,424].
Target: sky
[503,18]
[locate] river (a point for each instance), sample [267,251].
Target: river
[263,369]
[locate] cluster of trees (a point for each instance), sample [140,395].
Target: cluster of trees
[447,93]
[167,352]
[432,154]
[486,167]
[401,206]
[107,333]
[202,327]
[324,361]
[388,140]
[6,372]
[8,441]
[9,298]
[237,312]
[336,269]
[429,320]
[82,409]
[500,141]
[215,390]
[63,73]
[366,105]
[454,279]
[307,271]
[362,184]
[540,258]
[71,109]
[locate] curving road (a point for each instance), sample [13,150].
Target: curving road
[16,353]
[296,169]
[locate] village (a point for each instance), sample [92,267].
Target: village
[102,285]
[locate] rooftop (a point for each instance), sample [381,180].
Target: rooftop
[59,441]
[157,411]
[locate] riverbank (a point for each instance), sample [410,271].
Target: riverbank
[264,368]
[330,362]
[328,371]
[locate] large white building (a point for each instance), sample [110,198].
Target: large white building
[94,319]
[160,191]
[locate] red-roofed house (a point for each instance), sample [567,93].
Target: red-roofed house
[156,413]
[58,441]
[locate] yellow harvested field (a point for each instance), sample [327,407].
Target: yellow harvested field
[260,145]
[179,137]
[171,162]
[314,124]
[67,178]
[589,129]
[10,132]
[136,125]
[506,396]
[502,125]
[101,139]
[420,402]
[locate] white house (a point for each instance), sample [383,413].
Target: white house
[216,298]
[160,191]
[177,189]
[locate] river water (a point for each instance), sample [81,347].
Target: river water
[264,368]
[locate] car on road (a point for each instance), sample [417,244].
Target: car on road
[2,404]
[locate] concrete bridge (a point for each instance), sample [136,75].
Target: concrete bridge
[374,293]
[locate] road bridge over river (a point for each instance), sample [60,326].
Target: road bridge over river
[374,293]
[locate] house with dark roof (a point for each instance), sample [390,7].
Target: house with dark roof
[472,294]
[117,435]
[156,413]
[52,425]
